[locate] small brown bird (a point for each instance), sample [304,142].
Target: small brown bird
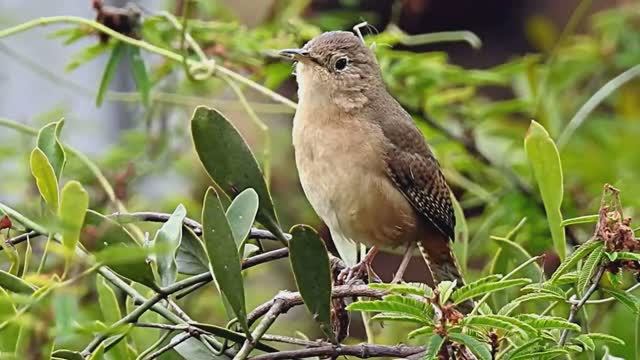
[364,165]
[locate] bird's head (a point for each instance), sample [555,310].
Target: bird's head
[338,66]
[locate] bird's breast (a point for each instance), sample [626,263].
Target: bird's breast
[340,160]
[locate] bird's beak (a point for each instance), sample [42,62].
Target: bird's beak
[295,54]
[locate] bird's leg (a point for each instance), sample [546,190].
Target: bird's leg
[358,270]
[404,263]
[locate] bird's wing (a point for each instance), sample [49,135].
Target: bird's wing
[416,172]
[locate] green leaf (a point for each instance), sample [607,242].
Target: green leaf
[385,307]
[65,306]
[572,260]
[387,316]
[604,338]
[500,322]
[310,264]
[167,240]
[586,342]
[548,322]
[143,338]
[193,349]
[242,213]
[547,354]
[139,72]
[48,141]
[418,289]
[487,288]
[45,177]
[85,55]
[433,347]
[191,257]
[103,234]
[537,296]
[589,269]
[108,301]
[525,348]
[625,255]
[223,255]
[110,313]
[587,219]
[73,207]
[229,161]
[66,354]
[109,71]
[478,348]
[15,284]
[98,354]
[626,299]
[427,329]
[547,169]
[445,290]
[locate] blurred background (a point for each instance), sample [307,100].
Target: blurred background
[539,59]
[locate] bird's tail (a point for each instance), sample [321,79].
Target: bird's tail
[438,254]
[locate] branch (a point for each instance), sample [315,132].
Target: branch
[195,226]
[173,343]
[575,308]
[291,299]
[20,238]
[362,351]
[274,311]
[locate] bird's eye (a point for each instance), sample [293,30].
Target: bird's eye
[341,63]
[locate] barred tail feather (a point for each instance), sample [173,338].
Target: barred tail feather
[438,254]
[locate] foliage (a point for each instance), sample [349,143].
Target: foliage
[71,240]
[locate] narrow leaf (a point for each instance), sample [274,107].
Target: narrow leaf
[109,71]
[73,207]
[427,329]
[548,322]
[85,55]
[626,299]
[108,301]
[587,219]
[547,354]
[571,261]
[15,284]
[389,307]
[229,161]
[242,213]
[518,255]
[193,349]
[66,354]
[545,161]
[478,348]
[605,338]
[45,177]
[310,264]
[589,269]
[500,322]
[223,255]
[48,141]
[445,290]
[487,288]
[139,72]
[167,240]
[388,316]
[508,308]
[433,347]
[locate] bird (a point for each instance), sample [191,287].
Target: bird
[363,164]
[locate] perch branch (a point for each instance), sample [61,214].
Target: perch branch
[291,299]
[575,308]
[274,311]
[175,342]
[362,351]
[20,238]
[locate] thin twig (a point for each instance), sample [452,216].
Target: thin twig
[291,299]
[260,330]
[362,351]
[20,238]
[576,307]
[294,341]
[173,343]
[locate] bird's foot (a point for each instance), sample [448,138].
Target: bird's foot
[360,271]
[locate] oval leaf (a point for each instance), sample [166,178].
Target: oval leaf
[168,239]
[73,207]
[108,301]
[229,161]
[242,213]
[545,161]
[45,177]
[191,257]
[15,284]
[223,255]
[104,234]
[310,263]
[50,145]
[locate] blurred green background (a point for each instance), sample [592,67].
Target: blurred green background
[539,60]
